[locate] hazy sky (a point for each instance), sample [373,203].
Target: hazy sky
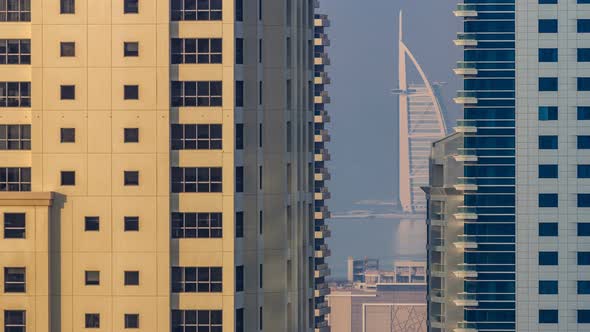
[363,51]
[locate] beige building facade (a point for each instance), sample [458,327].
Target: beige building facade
[156,165]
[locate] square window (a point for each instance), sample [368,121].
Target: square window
[131,224]
[583,287]
[584,229]
[15,280]
[548,84]
[548,317]
[584,316]
[131,178]
[131,321]
[548,258]
[131,92]
[548,26]
[548,171]
[548,200]
[583,25]
[131,49]
[92,321]
[15,320]
[14,225]
[131,135]
[548,229]
[548,55]
[547,287]
[91,224]
[548,142]
[67,49]
[68,178]
[584,258]
[92,278]
[67,135]
[67,6]
[548,113]
[68,92]
[131,7]
[131,278]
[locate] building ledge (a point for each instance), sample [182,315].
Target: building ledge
[13,198]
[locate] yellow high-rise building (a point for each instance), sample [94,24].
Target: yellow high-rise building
[156,165]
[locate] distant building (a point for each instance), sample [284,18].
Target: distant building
[365,273]
[358,267]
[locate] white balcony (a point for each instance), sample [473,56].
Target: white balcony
[465,216]
[465,71]
[465,100]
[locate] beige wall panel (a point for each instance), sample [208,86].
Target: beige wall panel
[91,207]
[146,15]
[99,133]
[51,12]
[204,245]
[144,121]
[99,12]
[185,29]
[55,163]
[144,35]
[16,117]
[147,308]
[92,261]
[99,41]
[144,77]
[53,78]
[17,159]
[15,73]
[143,240]
[198,115]
[142,262]
[53,35]
[102,305]
[52,124]
[99,174]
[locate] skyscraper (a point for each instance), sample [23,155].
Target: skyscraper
[525,251]
[157,165]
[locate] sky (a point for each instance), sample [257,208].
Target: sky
[363,67]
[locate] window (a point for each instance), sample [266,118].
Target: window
[15,320]
[196,279]
[583,112]
[583,83]
[196,137]
[547,2]
[68,92]
[131,92]
[548,229]
[67,49]
[68,178]
[92,278]
[239,136]
[131,7]
[67,6]
[584,287]
[130,49]
[15,179]
[131,321]
[583,54]
[196,179]
[583,258]
[260,222]
[131,135]
[547,287]
[240,320]
[583,142]
[260,88]
[240,278]
[583,171]
[15,51]
[548,113]
[239,93]
[260,276]
[548,171]
[548,143]
[15,280]
[548,55]
[239,10]
[548,26]
[259,50]
[197,320]
[196,94]
[583,316]
[260,177]
[67,135]
[583,1]
[196,225]
[91,224]
[584,200]
[260,316]
[548,84]
[15,137]
[548,258]
[240,179]
[131,224]
[548,200]
[239,225]
[15,10]
[260,135]
[192,50]
[131,278]
[15,94]
[202,10]
[260,10]
[548,317]
[14,225]
[131,178]
[584,229]
[239,51]
[583,25]
[92,321]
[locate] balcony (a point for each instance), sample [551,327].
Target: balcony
[321,39]
[321,60]
[466,300]
[465,126]
[465,271]
[322,194]
[321,135]
[323,117]
[322,309]
[322,155]
[466,214]
[321,290]
[465,39]
[465,327]
[322,78]
[321,212]
[465,68]
[466,242]
[322,251]
[323,98]
[322,232]
[464,10]
[464,184]
[321,174]
[321,21]
[466,155]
